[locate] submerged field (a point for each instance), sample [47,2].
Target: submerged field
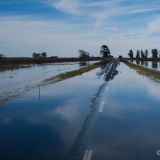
[108,112]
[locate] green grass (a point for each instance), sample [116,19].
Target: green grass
[144,71]
[79,71]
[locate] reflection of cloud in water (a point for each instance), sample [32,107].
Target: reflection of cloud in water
[153,89]
[69,112]
[6,121]
[139,81]
[118,110]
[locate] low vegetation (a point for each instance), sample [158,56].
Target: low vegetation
[74,73]
[144,71]
[15,63]
[13,66]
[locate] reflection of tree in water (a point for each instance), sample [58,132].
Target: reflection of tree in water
[142,63]
[83,63]
[81,142]
[138,62]
[146,64]
[109,71]
[154,64]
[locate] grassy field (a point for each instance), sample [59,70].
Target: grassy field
[144,71]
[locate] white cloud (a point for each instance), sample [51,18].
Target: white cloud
[154,25]
[68,6]
[103,10]
[22,36]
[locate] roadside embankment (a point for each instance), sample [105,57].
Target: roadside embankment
[74,73]
[144,71]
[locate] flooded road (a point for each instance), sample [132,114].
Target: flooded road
[98,115]
[128,125]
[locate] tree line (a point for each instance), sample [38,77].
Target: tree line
[140,54]
[104,53]
[84,55]
[39,55]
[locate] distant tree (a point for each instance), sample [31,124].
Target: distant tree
[142,54]
[130,54]
[154,53]
[138,54]
[2,56]
[44,54]
[120,57]
[84,55]
[34,55]
[55,57]
[105,52]
[146,54]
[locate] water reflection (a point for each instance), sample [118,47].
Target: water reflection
[83,63]
[149,64]
[14,83]
[128,128]
[137,62]
[154,64]
[39,93]
[142,63]
[80,144]
[146,63]
[46,129]
[108,71]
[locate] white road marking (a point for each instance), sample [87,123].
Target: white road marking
[87,155]
[101,106]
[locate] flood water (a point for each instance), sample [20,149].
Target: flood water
[155,65]
[115,119]
[17,79]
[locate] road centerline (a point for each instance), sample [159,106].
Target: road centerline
[87,155]
[101,106]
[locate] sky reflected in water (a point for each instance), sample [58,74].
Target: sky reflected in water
[46,126]
[128,128]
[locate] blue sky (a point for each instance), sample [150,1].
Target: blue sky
[62,27]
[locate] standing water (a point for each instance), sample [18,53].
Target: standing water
[155,65]
[104,118]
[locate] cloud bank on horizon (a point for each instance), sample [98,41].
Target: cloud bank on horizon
[61,27]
